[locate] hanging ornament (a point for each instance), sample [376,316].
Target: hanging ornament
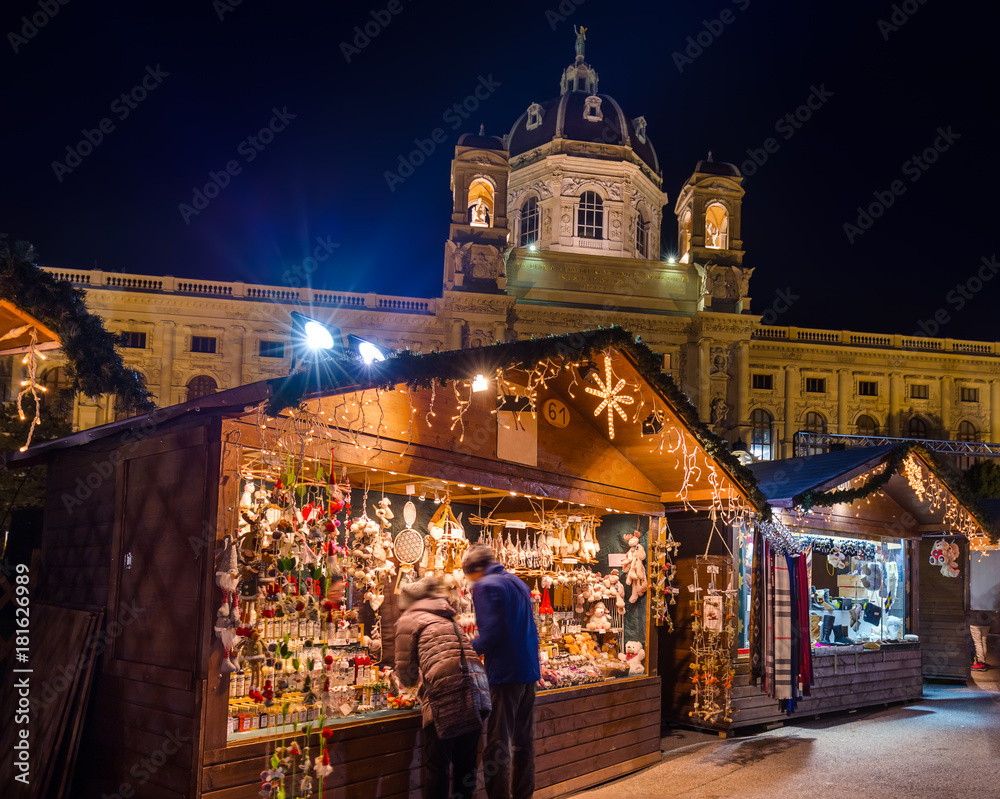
[609,392]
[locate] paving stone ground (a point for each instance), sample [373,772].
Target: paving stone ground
[946,747]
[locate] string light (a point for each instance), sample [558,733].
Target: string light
[30,386]
[611,398]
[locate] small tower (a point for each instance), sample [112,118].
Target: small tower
[709,234]
[709,215]
[477,241]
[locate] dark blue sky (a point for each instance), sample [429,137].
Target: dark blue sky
[212,84]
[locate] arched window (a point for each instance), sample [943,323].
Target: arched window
[590,216]
[917,428]
[529,222]
[717,227]
[762,435]
[967,432]
[815,423]
[867,426]
[480,206]
[641,236]
[685,233]
[201,386]
[55,380]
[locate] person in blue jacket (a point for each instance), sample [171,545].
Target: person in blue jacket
[508,639]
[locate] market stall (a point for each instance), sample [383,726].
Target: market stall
[827,596]
[225,521]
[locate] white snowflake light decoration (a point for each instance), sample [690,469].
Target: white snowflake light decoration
[611,397]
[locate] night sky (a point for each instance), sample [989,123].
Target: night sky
[889,91]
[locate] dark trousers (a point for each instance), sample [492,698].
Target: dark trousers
[510,774]
[441,755]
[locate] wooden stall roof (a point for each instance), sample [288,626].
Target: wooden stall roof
[345,375]
[791,483]
[15,331]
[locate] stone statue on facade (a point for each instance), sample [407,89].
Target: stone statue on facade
[581,40]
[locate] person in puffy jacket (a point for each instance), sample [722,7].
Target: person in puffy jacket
[429,649]
[508,638]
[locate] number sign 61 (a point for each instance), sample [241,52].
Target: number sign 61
[555,413]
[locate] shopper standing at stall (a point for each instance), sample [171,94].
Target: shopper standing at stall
[454,698]
[508,639]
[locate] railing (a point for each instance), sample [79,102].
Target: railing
[876,340]
[247,291]
[809,443]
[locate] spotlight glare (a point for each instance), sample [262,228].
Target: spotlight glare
[480,383]
[370,353]
[317,336]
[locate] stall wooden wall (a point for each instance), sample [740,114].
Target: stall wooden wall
[674,657]
[142,728]
[582,737]
[943,609]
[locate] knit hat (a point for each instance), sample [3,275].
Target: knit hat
[423,588]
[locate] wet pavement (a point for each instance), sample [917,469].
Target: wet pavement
[946,746]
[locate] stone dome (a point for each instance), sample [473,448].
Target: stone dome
[579,116]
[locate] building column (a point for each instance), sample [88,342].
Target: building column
[704,382]
[743,384]
[994,411]
[238,336]
[456,334]
[895,403]
[791,393]
[843,395]
[947,391]
[168,331]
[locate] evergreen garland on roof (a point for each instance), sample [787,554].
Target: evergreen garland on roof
[94,364]
[894,465]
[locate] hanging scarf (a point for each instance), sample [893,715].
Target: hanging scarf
[757,611]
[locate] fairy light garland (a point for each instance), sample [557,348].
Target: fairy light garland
[31,386]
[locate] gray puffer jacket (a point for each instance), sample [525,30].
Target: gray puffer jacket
[427,646]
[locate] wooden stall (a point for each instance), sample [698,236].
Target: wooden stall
[945,642]
[138,515]
[860,518]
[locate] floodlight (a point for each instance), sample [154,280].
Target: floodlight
[370,353]
[313,340]
[480,383]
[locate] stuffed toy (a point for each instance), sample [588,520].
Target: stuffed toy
[634,567]
[599,621]
[634,655]
[945,554]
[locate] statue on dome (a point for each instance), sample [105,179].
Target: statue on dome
[581,40]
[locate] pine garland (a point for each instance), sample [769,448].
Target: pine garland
[94,364]
[420,371]
[894,464]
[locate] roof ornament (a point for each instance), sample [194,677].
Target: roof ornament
[482,130]
[709,159]
[581,41]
